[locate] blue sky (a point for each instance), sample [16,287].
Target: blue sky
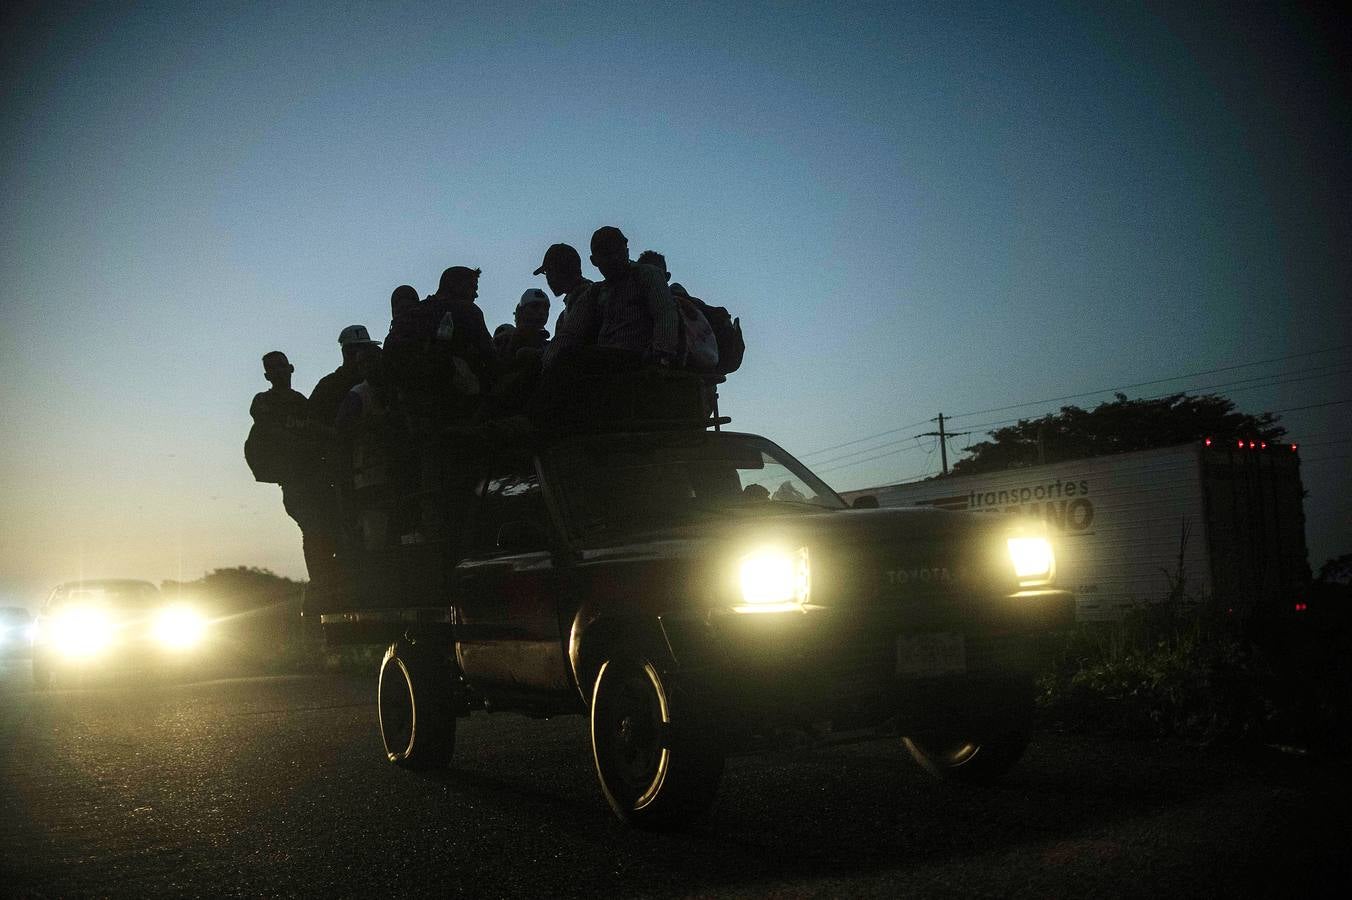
[913,208]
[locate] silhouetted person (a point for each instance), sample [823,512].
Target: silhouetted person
[355,342]
[332,465]
[630,321]
[520,357]
[277,413]
[698,344]
[638,315]
[440,355]
[656,260]
[578,323]
[282,426]
[403,299]
[502,339]
[368,438]
[531,316]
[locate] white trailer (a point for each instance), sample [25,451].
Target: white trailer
[1199,522]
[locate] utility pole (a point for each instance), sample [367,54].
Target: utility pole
[943,437]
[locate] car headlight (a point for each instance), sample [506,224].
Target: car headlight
[1034,561]
[774,580]
[180,627]
[81,631]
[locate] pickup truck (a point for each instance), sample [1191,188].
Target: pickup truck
[697,592]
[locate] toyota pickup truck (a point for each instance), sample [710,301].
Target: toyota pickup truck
[696,592]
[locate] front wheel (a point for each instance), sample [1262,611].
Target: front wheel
[417,715]
[657,756]
[981,760]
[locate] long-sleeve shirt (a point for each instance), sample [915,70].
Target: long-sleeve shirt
[637,312]
[578,323]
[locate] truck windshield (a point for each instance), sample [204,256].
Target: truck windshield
[616,486]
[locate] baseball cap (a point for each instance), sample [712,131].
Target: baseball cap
[559,256]
[532,297]
[355,334]
[608,237]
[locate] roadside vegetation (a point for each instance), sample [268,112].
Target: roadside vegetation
[259,628]
[1192,671]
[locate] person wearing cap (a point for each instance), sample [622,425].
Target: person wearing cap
[531,316]
[519,357]
[577,323]
[324,527]
[355,343]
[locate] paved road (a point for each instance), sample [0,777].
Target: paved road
[268,786]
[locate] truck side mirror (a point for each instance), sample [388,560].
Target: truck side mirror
[867,501]
[522,535]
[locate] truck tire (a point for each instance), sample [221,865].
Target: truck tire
[657,755]
[981,761]
[417,715]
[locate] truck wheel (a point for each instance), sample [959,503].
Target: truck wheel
[657,756]
[417,717]
[964,759]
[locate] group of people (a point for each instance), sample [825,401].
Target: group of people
[346,453]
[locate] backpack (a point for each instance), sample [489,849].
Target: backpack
[268,454]
[728,333]
[699,345]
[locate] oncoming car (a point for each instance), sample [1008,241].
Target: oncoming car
[112,625]
[696,593]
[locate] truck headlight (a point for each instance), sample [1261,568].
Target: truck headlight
[774,580]
[180,627]
[1034,561]
[81,631]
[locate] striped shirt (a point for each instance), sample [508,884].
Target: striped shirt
[577,323]
[637,312]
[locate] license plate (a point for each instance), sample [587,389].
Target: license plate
[928,655]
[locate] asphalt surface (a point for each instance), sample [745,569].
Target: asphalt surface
[278,786]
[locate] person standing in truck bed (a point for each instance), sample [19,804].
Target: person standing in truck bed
[577,324]
[282,449]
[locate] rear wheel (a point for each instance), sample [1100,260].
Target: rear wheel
[980,760]
[657,756]
[417,715]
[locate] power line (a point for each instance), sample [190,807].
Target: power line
[1124,387]
[869,438]
[1229,386]
[1260,362]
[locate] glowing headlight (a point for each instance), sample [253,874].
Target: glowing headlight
[775,580]
[81,631]
[1033,559]
[180,627]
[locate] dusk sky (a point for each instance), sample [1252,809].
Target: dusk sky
[914,209]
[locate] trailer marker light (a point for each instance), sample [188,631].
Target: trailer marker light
[1250,445]
[1301,607]
[1263,445]
[1293,448]
[1208,442]
[1241,445]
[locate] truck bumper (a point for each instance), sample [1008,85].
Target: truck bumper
[933,668]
